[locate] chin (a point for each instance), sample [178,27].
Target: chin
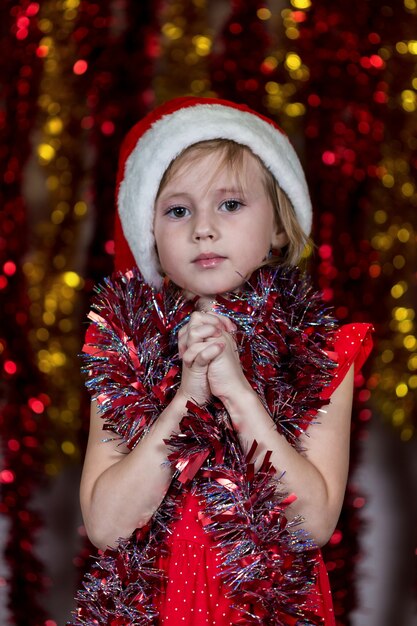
[212,285]
[215,291]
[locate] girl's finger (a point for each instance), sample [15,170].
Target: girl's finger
[200,355]
[203,332]
[199,332]
[209,353]
[226,322]
[199,335]
[196,319]
[191,353]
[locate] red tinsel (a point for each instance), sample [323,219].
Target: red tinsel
[237,71]
[133,369]
[23,403]
[344,131]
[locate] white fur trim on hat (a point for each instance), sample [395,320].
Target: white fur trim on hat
[168,137]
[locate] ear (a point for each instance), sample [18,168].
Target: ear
[279,239]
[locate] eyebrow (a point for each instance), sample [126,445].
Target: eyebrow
[184,194]
[178,194]
[235,190]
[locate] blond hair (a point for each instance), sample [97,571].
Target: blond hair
[231,154]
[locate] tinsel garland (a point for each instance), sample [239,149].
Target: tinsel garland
[237,66]
[344,135]
[134,369]
[23,580]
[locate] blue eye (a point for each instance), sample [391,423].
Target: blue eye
[232,205]
[177,211]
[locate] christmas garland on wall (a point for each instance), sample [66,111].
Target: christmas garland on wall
[24,397]
[117,58]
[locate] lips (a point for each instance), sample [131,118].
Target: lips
[208,259]
[208,255]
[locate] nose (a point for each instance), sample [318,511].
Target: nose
[204,226]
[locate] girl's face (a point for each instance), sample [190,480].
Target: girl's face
[210,232]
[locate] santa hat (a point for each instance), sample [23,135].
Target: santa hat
[154,142]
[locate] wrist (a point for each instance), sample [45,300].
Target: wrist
[182,397]
[243,401]
[176,409]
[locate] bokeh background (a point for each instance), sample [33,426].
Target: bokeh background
[341,79]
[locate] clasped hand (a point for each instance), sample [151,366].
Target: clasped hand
[211,364]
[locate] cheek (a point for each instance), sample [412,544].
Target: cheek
[165,249]
[262,235]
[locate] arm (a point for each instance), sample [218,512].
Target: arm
[121,489]
[318,476]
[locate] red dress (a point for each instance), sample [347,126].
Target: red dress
[194,594]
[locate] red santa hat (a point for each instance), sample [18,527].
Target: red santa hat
[154,142]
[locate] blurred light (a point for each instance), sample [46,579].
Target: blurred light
[80,67]
[412,46]
[301,4]
[293,61]
[408,100]
[10,367]
[380,216]
[80,208]
[9,268]
[387,356]
[294,109]
[398,417]
[329,158]
[72,279]
[68,447]
[107,127]
[401,47]
[398,290]
[263,13]
[410,342]
[272,87]
[171,31]
[398,261]
[408,190]
[403,235]
[401,390]
[407,433]
[7,476]
[412,382]
[388,180]
[202,45]
[46,152]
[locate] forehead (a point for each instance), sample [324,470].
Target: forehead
[237,166]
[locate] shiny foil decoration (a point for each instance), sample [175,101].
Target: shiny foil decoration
[257,61]
[133,369]
[392,204]
[359,137]
[61,102]
[186,40]
[22,389]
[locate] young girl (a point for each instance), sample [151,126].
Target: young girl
[223,383]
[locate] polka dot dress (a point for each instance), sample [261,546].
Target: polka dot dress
[195,595]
